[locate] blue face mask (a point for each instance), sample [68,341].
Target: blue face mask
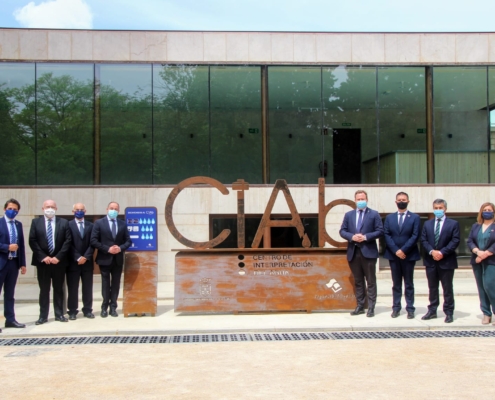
[439,213]
[487,214]
[113,214]
[11,214]
[361,204]
[79,214]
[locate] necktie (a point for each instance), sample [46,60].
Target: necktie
[13,238]
[437,232]
[114,229]
[49,236]
[81,229]
[401,221]
[360,221]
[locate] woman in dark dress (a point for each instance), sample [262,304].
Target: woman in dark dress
[481,241]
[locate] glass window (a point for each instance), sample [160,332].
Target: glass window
[17,124]
[235,124]
[402,116]
[125,118]
[180,122]
[64,109]
[349,98]
[491,108]
[461,124]
[295,124]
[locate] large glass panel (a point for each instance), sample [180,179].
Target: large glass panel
[126,134]
[491,107]
[235,123]
[180,122]
[17,124]
[402,117]
[461,124]
[349,97]
[295,124]
[64,111]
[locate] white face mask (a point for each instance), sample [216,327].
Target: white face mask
[49,212]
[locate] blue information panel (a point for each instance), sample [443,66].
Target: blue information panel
[142,223]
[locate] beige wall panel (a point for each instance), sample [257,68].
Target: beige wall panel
[237,47]
[9,44]
[111,46]
[260,47]
[437,48]
[282,47]
[59,45]
[185,46]
[471,48]
[215,47]
[367,47]
[335,47]
[402,48]
[82,46]
[156,46]
[33,45]
[138,46]
[304,47]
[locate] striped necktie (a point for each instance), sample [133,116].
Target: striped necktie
[49,237]
[13,238]
[437,232]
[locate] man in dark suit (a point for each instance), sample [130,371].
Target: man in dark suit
[49,239]
[440,238]
[111,238]
[12,259]
[81,264]
[401,238]
[361,228]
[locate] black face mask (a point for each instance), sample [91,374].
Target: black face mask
[402,205]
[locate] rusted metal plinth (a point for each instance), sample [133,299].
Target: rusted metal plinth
[140,283]
[243,280]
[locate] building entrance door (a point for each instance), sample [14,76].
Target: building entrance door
[346,156]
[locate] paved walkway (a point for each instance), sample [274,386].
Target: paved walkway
[467,316]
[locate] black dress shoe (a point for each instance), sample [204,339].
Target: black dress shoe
[370,313]
[41,321]
[14,324]
[449,319]
[429,315]
[89,315]
[395,314]
[410,315]
[113,313]
[61,319]
[72,317]
[104,313]
[358,310]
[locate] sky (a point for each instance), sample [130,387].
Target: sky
[253,15]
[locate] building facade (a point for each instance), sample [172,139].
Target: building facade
[95,116]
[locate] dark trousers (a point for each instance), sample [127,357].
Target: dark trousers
[84,274]
[54,275]
[436,275]
[8,280]
[110,284]
[402,270]
[485,280]
[364,272]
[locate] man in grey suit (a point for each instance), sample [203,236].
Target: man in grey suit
[401,238]
[111,238]
[361,228]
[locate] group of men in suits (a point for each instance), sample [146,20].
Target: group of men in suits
[440,238]
[63,250]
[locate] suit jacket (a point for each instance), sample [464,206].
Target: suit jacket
[472,243]
[81,247]
[447,243]
[405,239]
[5,242]
[101,239]
[372,228]
[39,244]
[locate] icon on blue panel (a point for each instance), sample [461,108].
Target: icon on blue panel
[142,236]
[142,229]
[147,236]
[151,237]
[140,221]
[149,221]
[153,221]
[151,229]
